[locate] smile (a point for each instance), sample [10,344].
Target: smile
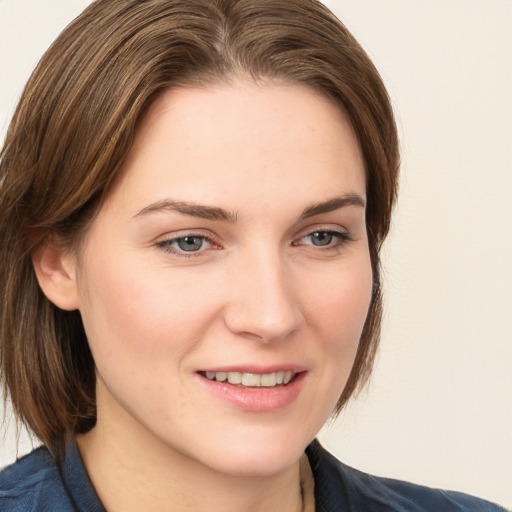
[253,391]
[253,380]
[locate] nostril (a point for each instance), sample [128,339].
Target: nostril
[263,328]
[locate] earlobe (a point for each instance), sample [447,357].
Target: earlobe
[56,273]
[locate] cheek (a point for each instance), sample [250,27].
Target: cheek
[339,306]
[337,310]
[132,312]
[339,317]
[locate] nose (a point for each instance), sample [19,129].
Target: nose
[263,302]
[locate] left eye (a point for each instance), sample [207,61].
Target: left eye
[191,243]
[324,238]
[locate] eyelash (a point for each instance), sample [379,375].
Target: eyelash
[165,245]
[342,238]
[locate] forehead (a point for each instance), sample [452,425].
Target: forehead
[243,141]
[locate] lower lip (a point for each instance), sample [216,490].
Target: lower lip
[257,399]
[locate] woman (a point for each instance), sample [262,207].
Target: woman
[194,196]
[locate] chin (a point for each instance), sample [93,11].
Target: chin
[258,458]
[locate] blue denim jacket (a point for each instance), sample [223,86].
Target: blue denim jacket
[35,484]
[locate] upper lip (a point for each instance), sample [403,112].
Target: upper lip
[258,369]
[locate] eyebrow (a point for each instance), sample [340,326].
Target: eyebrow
[220,214]
[190,208]
[334,204]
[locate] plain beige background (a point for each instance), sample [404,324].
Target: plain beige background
[439,407]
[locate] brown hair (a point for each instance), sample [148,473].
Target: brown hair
[76,121]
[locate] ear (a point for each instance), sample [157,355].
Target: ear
[55,269]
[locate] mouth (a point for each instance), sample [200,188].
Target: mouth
[252,390]
[252,380]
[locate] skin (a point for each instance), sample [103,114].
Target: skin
[260,292]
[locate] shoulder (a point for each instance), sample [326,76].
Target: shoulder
[339,487]
[33,483]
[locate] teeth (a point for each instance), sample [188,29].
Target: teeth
[268,380]
[219,376]
[253,380]
[234,377]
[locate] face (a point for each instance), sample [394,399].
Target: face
[226,280]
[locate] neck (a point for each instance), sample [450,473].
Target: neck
[132,471]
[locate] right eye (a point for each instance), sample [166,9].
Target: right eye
[186,244]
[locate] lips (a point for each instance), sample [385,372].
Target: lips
[254,389]
[249,379]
